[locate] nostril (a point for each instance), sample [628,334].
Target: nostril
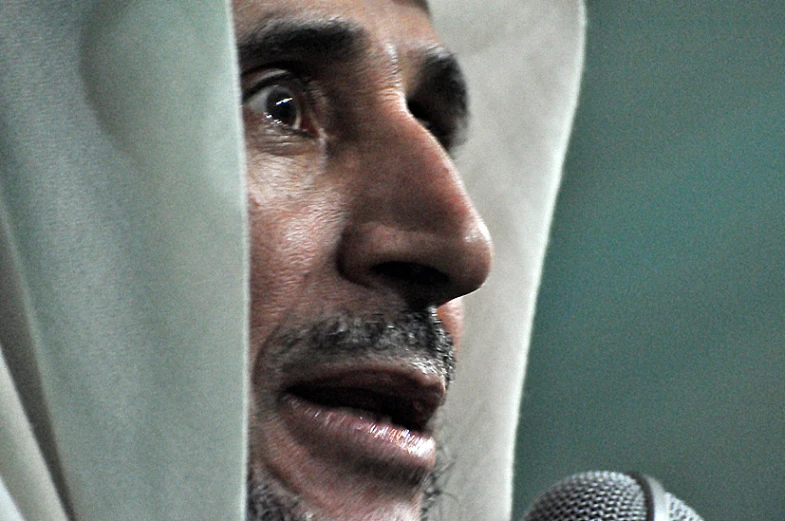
[411,273]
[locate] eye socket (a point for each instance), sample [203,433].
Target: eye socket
[443,132]
[281,100]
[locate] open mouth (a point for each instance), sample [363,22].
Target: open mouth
[374,417]
[403,408]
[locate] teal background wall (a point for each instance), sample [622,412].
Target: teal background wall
[659,341]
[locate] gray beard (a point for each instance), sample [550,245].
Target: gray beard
[263,504]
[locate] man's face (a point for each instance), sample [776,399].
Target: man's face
[362,240]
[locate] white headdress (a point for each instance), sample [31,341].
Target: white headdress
[523,60]
[123,287]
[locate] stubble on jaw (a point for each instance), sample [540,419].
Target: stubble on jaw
[263,504]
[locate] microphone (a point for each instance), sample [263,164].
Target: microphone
[609,496]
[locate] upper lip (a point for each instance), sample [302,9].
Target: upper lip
[407,397]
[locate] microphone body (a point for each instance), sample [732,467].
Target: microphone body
[608,496]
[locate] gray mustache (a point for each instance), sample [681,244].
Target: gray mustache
[416,334]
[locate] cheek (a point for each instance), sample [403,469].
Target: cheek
[285,212]
[294,225]
[451,315]
[286,248]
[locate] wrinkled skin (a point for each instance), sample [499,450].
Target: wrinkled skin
[357,216]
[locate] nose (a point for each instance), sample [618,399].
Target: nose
[414,229]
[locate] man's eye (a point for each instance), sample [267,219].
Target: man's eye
[278,103]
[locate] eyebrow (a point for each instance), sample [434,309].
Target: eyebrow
[441,74]
[422,4]
[323,40]
[441,68]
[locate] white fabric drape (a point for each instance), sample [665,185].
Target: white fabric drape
[123,289]
[123,280]
[523,60]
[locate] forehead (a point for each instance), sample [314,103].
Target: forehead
[404,24]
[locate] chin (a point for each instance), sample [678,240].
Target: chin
[268,501]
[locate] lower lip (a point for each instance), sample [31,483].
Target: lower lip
[349,435]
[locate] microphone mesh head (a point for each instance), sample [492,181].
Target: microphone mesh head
[600,496]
